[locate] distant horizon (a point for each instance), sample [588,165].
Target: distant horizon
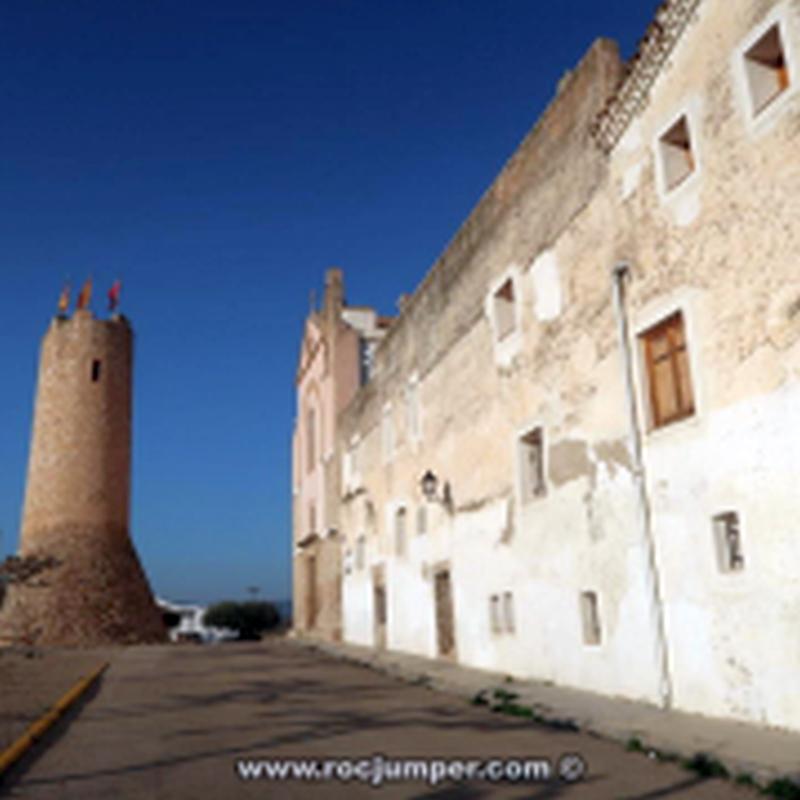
[280,603]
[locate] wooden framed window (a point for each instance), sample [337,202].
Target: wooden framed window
[669,380]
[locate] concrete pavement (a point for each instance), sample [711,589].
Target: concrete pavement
[172,722]
[767,754]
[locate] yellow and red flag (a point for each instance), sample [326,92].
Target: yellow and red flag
[86,295]
[113,295]
[63,299]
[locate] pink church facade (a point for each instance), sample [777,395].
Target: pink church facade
[335,357]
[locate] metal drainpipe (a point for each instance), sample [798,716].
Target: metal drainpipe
[619,274]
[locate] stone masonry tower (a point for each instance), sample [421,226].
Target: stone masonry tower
[78,495]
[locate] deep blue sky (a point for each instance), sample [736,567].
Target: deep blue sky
[218,157]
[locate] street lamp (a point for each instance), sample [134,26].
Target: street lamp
[429,485]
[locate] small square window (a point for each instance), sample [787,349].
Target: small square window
[590,615]
[675,152]
[766,69]
[728,542]
[494,614]
[508,612]
[504,312]
[669,380]
[531,446]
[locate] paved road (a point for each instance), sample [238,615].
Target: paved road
[171,722]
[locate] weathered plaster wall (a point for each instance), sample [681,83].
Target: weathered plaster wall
[473,410]
[721,248]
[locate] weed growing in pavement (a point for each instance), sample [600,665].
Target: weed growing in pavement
[502,702]
[480,699]
[783,789]
[634,745]
[503,696]
[706,766]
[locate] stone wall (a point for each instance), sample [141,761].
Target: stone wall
[77,496]
[79,465]
[97,593]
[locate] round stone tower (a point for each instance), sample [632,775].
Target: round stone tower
[78,496]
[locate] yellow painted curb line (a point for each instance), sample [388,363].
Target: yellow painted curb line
[13,753]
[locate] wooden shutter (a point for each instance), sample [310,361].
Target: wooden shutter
[668,372]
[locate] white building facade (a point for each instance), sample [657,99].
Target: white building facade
[577,458]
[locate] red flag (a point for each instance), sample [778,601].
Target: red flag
[85,295]
[113,295]
[63,299]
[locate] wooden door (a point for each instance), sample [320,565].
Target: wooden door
[379,596]
[311,592]
[445,621]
